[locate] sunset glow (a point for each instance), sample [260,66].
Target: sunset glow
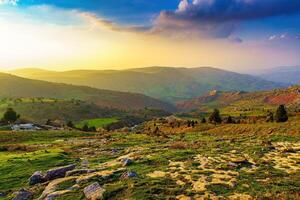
[61,35]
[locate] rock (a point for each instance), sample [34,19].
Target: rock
[76,172]
[23,194]
[130,174]
[51,189]
[94,192]
[2,194]
[127,162]
[36,177]
[58,172]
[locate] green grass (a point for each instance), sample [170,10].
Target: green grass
[16,168]
[153,154]
[98,123]
[39,137]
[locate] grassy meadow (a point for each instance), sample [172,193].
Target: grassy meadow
[228,161]
[97,123]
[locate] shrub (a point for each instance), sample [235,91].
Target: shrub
[229,120]
[85,128]
[281,114]
[70,124]
[215,117]
[203,120]
[10,116]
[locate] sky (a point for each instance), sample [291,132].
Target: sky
[238,35]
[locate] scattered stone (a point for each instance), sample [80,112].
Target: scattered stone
[51,188]
[23,194]
[2,194]
[130,174]
[58,172]
[77,172]
[94,192]
[36,178]
[127,162]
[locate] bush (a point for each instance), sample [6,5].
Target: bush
[229,120]
[281,114]
[215,117]
[85,128]
[203,120]
[70,124]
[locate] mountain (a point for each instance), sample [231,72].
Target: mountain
[244,100]
[165,83]
[283,74]
[17,87]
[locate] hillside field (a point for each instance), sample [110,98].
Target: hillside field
[98,123]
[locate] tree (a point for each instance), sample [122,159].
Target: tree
[193,123]
[229,120]
[70,124]
[85,128]
[10,116]
[215,117]
[203,120]
[188,123]
[281,114]
[270,117]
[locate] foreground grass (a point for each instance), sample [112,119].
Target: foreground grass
[26,152]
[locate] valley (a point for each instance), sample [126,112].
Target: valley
[60,141]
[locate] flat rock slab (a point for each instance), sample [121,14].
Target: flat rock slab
[94,192]
[58,172]
[23,195]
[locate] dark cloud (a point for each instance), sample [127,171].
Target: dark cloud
[219,18]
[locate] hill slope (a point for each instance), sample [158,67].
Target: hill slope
[166,83]
[16,87]
[283,74]
[245,100]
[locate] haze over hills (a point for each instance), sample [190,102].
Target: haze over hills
[289,74]
[166,83]
[17,87]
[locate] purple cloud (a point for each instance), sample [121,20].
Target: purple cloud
[219,18]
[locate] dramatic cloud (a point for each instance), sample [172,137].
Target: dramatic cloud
[219,18]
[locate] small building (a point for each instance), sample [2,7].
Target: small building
[25,127]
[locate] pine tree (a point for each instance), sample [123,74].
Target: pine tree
[281,114]
[215,117]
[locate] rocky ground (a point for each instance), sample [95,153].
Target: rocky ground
[203,163]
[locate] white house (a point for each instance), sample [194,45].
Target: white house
[25,127]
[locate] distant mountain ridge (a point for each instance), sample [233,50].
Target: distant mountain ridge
[17,87]
[219,99]
[288,74]
[165,83]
